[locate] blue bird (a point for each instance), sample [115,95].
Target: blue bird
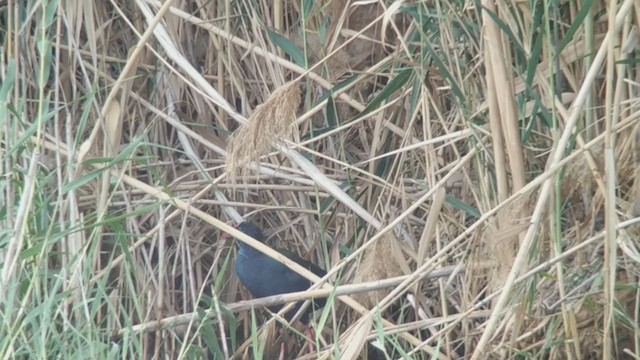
[264,276]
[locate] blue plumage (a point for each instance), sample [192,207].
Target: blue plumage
[264,276]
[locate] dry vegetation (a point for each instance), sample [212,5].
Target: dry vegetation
[466,170]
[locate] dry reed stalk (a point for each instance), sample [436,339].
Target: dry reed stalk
[564,313]
[545,192]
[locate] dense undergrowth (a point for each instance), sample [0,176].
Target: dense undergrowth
[476,161]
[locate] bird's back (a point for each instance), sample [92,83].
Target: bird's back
[264,276]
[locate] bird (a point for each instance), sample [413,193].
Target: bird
[264,276]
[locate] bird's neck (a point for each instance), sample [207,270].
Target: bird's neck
[247,250]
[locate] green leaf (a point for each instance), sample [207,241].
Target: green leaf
[307,7]
[24,139]
[577,23]
[461,205]
[457,203]
[394,85]
[515,40]
[332,113]
[83,180]
[9,78]
[348,81]
[209,335]
[444,71]
[296,55]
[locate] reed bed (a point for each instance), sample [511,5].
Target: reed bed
[466,171]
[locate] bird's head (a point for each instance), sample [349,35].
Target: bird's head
[252,230]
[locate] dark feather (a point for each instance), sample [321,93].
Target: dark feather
[264,276]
